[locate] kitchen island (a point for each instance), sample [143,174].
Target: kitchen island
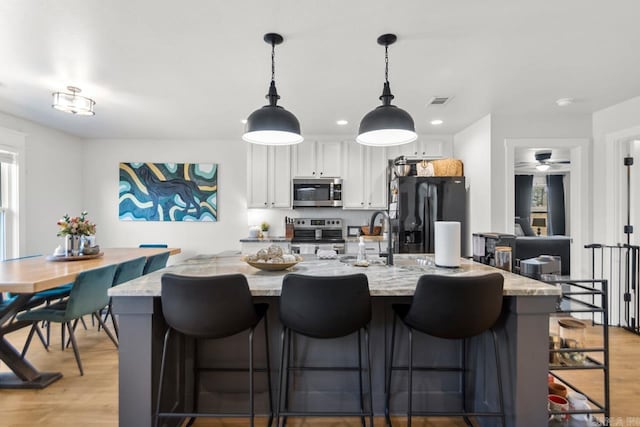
[522,331]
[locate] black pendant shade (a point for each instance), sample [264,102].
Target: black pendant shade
[272,124]
[387,124]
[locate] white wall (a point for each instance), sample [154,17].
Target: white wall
[54,177]
[101,194]
[611,127]
[473,146]
[504,127]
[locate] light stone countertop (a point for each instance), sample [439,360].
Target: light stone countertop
[397,280]
[265,239]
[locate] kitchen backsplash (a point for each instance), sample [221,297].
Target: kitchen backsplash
[275,217]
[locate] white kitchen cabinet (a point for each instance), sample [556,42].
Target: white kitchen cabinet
[268,176]
[317,159]
[371,248]
[364,177]
[429,149]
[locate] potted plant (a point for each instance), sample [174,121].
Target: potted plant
[264,227]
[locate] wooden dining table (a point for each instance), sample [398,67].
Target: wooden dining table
[27,276]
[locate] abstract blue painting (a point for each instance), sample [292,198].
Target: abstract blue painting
[168,192]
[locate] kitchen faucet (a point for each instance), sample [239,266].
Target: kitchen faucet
[385,216]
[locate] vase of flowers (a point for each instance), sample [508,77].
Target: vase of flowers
[74,229]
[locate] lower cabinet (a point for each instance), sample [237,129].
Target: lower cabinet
[365,177]
[372,248]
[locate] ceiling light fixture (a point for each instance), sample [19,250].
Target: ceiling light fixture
[436,122]
[543,167]
[563,102]
[387,124]
[73,103]
[272,124]
[342,122]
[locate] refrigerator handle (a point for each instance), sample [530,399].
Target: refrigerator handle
[428,224]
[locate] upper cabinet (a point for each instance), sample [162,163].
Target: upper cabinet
[431,149]
[317,159]
[365,177]
[268,176]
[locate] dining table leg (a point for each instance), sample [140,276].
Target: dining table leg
[23,374]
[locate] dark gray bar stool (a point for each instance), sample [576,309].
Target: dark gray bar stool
[209,308]
[323,308]
[449,307]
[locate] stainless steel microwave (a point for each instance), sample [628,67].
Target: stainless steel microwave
[318,192]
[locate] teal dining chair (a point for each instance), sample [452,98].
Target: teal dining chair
[156,262]
[126,271]
[88,296]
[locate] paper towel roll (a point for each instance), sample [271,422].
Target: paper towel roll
[447,243]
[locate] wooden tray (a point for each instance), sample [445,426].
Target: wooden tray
[73,258]
[271,266]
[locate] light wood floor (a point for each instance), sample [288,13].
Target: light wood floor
[92,400]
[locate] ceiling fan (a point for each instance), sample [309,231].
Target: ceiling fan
[543,162]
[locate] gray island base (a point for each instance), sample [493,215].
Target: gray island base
[522,331]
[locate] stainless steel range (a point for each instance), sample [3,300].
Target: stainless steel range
[311,234]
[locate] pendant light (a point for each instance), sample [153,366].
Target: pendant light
[387,124]
[73,103]
[272,124]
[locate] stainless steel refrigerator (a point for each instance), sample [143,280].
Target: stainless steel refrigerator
[415,203]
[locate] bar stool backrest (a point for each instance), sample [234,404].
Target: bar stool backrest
[456,307]
[207,307]
[325,307]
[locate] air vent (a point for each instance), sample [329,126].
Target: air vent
[439,100]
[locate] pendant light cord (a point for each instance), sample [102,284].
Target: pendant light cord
[386,63]
[273,61]
[386,96]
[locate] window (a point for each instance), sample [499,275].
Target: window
[12,193]
[539,194]
[8,208]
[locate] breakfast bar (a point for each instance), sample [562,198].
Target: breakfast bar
[522,333]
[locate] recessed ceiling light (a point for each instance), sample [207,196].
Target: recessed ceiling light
[563,102]
[244,121]
[342,122]
[436,122]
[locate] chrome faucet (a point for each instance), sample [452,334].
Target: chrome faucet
[385,216]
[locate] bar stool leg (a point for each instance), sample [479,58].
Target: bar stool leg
[283,336]
[410,379]
[162,366]
[464,382]
[389,370]
[251,403]
[266,343]
[367,344]
[499,372]
[362,423]
[286,378]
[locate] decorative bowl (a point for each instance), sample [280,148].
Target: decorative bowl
[271,266]
[376,230]
[91,250]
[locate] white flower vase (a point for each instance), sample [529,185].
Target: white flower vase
[265,234]
[73,244]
